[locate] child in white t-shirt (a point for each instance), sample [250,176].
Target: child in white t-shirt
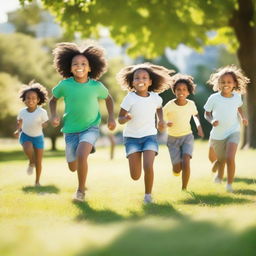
[30,122]
[138,110]
[178,113]
[222,110]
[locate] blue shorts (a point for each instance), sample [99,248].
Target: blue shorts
[72,140]
[38,141]
[133,145]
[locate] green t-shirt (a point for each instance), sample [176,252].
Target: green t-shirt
[81,103]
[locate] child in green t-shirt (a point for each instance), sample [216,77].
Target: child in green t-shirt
[81,91]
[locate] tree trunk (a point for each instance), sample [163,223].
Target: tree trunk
[246,34]
[53,141]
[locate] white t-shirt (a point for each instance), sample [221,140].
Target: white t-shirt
[32,121]
[180,116]
[143,111]
[225,110]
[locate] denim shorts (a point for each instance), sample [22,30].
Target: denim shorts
[219,146]
[37,142]
[133,145]
[178,146]
[72,140]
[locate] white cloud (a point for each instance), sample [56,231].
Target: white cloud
[7,6]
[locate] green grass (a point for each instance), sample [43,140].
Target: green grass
[113,221]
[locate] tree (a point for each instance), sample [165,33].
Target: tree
[149,26]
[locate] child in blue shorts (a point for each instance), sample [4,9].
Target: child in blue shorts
[30,122]
[80,68]
[138,111]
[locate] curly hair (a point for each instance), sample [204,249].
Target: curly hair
[240,79]
[39,89]
[185,79]
[159,75]
[65,52]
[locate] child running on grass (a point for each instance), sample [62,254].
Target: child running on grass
[138,110]
[222,110]
[30,123]
[80,68]
[177,114]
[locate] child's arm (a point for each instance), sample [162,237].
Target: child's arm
[55,120]
[241,114]
[18,130]
[161,122]
[124,116]
[110,108]
[208,117]
[200,131]
[45,124]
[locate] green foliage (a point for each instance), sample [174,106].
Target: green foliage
[24,57]
[149,26]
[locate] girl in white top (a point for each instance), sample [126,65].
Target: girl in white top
[30,122]
[222,110]
[138,110]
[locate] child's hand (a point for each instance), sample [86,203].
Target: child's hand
[161,125]
[200,131]
[215,123]
[169,124]
[111,124]
[245,122]
[16,134]
[128,117]
[55,121]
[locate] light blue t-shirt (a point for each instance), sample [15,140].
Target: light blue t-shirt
[225,110]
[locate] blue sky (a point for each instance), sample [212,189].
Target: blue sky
[7,6]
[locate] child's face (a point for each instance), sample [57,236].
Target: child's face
[141,80]
[31,99]
[181,91]
[227,83]
[80,66]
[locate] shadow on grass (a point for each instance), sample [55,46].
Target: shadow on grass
[50,189]
[213,200]
[105,216]
[16,155]
[193,238]
[246,180]
[248,192]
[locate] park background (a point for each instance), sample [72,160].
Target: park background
[193,37]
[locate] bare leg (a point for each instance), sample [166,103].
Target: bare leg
[29,152]
[72,166]
[135,165]
[211,155]
[83,151]
[148,161]
[230,159]
[221,167]
[185,170]
[38,163]
[176,168]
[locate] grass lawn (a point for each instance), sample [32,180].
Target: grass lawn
[113,221]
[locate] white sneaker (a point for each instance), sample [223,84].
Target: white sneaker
[30,169]
[217,180]
[148,199]
[229,188]
[79,196]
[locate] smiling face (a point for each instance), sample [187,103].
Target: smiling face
[80,68]
[181,91]
[141,81]
[31,100]
[227,84]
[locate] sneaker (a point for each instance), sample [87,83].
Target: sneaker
[215,166]
[148,199]
[79,196]
[37,184]
[229,188]
[30,169]
[176,173]
[217,180]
